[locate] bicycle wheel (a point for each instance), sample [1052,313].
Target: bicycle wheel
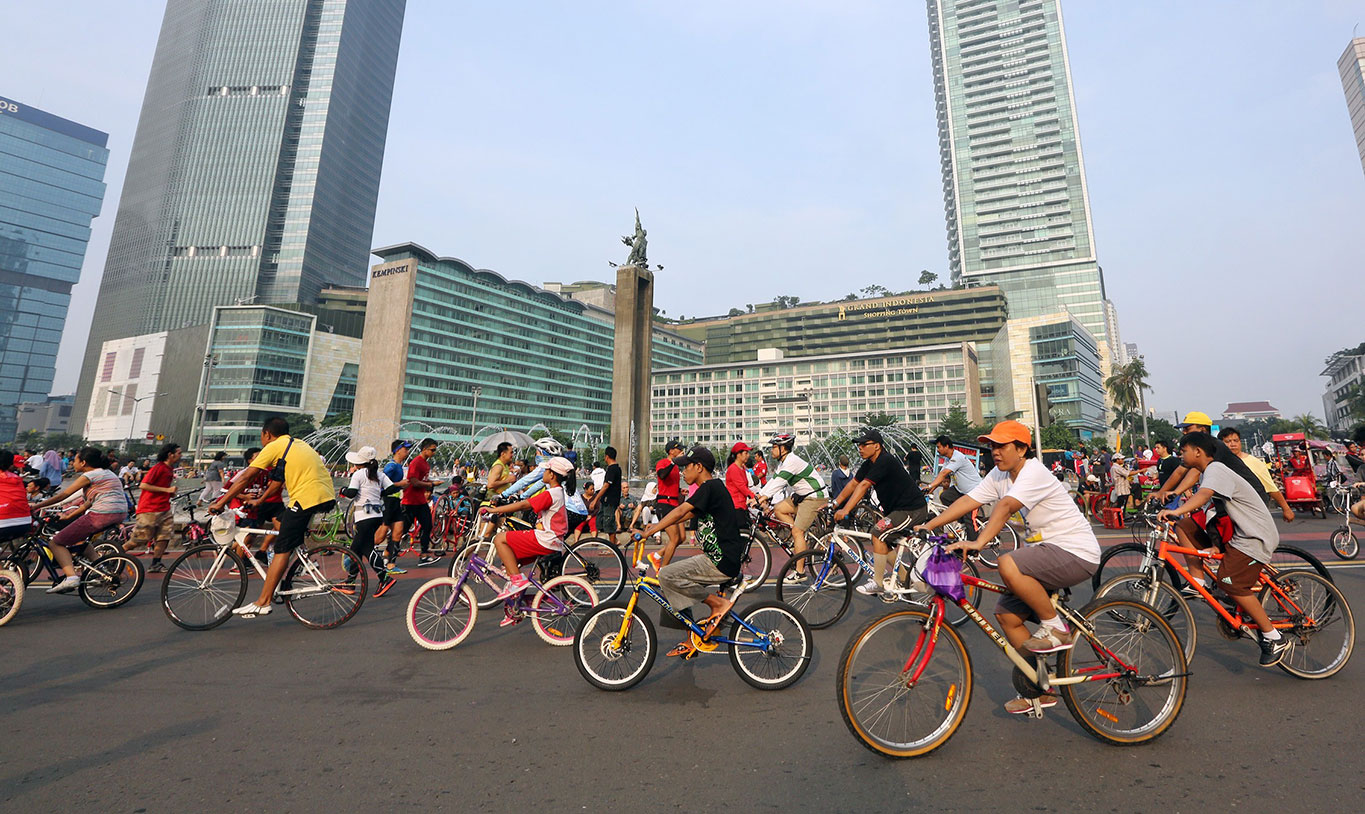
[11,593]
[349,525]
[319,590]
[1340,501]
[1144,699]
[437,618]
[1324,630]
[1126,558]
[852,557]
[772,645]
[756,563]
[890,710]
[953,614]
[1005,542]
[29,561]
[1165,600]
[1291,558]
[822,599]
[485,594]
[598,562]
[1344,543]
[111,581]
[199,592]
[605,665]
[558,625]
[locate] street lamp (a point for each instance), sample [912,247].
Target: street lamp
[474,416]
[132,430]
[210,362]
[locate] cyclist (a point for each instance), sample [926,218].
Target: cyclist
[1233,438]
[533,481]
[807,495]
[416,494]
[305,476]
[367,488]
[1067,555]
[737,481]
[500,473]
[260,506]
[1251,544]
[696,578]
[552,524]
[154,522]
[103,504]
[668,497]
[16,520]
[902,503]
[957,476]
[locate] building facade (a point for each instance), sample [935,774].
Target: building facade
[1015,197]
[255,168]
[1352,69]
[1058,352]
[144,386]
[1250,411]
[453,349]
[51,188]
[811,396]
[1345,374]
[47,417]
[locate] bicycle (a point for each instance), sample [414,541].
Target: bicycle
[1005,542]
[1343,540]
[207,581]
[1301,604]
[1124,681]
[107,579]
[332,527]
[442,612]
[11,592]
[33,554]
[770,645]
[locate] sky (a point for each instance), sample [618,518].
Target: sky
[790,147]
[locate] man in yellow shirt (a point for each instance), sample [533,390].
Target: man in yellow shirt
[309,484]
[1233,438]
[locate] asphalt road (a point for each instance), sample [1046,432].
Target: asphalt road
[120,711]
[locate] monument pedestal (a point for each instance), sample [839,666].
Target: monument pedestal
[631,364]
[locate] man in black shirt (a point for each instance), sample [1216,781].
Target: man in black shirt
[1166,463]
[607,500]
[1354,459]
[902,503]
[718,534]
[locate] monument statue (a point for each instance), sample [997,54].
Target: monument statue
[637,244]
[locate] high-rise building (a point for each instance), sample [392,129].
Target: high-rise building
[1013,179]
[1352,68]
[255,168]
[51,187]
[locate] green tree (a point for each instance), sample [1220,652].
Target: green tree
[956,425]
[876,291]
[927,278]
[1057,436]
[877,420]
[1309,425]
[301,425]
[734,312]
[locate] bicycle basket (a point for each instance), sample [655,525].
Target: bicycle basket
[943,572]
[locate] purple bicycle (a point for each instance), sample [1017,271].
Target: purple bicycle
[442,612]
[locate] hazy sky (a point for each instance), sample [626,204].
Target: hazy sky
[789,147]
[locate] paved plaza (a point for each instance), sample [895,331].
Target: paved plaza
[121,711]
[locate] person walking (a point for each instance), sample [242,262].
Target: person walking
[154,521]
[213,478]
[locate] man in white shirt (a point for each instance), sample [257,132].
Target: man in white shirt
[958,476]
[805,495]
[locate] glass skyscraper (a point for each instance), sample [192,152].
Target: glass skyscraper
[51,187]
[255,169]
[1352,68]
[1013,180]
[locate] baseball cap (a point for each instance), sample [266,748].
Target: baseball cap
[739,446]
[697,455]
[672,445]
[560,465]
[868,434]
[399,444]
[1195,417]
[362,456]
[1006,432]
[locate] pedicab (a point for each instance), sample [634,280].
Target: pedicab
[1299,482]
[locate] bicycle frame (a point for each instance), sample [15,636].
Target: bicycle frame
[477,567]
[297,554]
[1166,549]
[649,586]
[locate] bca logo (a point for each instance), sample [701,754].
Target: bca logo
[8,107]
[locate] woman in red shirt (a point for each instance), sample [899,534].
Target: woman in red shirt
[15,517]
[737,480]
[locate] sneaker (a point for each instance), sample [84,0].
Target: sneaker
[157,567]
[794,578]
[656,559]
[425,560]
[509,619]
[251,609]
[1021,705]
[514,586]
[233,570]
[1049,640]
[385,583]
[1273,651]
[870,588]
[394,570]
[66,586]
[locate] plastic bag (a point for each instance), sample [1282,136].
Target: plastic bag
[943,573]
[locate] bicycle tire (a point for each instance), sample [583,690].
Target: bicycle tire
[824,597]
[193,603]
[787,654]
[870,681]
[1292,558]
[334,599]
[757,562]
[11,594]
[1122,551]
[608,669]
[1111,710]
[1163,598]
[559,629]
[599,562]
[29,559]
[111,581]
[432,629]
[1329,611]
[1344,543]
[1005,542]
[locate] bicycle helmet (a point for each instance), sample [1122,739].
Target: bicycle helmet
[549,446]
[782,439]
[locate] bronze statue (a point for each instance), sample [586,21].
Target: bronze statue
[637,244]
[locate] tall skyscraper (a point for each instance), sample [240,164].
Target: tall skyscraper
[1013,180]
[255,168]
[51,187]
[1352,67]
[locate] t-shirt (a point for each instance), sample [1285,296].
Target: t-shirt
[796,475]
[1253,529]
[1047,507]
[668,476]
[497,471]
[737,484]
[1261,471]
[34,461]
[159,475]
[966,476]
[305,473]
[14,511]
[612,495]
[552,522]
[1166,467]
[717,526]
[394,471]
[369,502]
[214,473]
[896,490]
[418,469]
[106,492]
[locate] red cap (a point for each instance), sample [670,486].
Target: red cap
[739,446]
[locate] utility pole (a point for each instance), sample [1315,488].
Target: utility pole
[210,362]
[132,430]
[1142,405]
[474,416]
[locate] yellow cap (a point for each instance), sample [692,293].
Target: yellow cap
[1196,417]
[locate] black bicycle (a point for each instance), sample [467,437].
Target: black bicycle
[108,579]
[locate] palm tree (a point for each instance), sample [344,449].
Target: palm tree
[1126,387]
[1309,425]
[1123,420]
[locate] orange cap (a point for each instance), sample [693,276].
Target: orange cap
[1005,432]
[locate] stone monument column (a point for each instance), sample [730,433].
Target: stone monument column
[631,364]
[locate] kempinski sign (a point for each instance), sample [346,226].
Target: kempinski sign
[893,306]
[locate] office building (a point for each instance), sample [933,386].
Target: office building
[1352,69]
[51,187]
[449,349]
[1014,188]
[47,417]
[1345,374]
[143,390]
[255,167]
[1058,352]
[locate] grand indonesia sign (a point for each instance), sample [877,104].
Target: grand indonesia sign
[892,306]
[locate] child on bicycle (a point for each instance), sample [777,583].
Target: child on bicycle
[1253,536]
[552,525]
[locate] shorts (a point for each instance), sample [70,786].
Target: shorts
[149,526]
[8,533]
[899,523]
[294,524]
[606,518]
[527,546]
[1238,574]
[1054,567]
[267,513]
[807,510]
[393,510]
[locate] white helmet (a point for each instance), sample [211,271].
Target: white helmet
[548,446]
